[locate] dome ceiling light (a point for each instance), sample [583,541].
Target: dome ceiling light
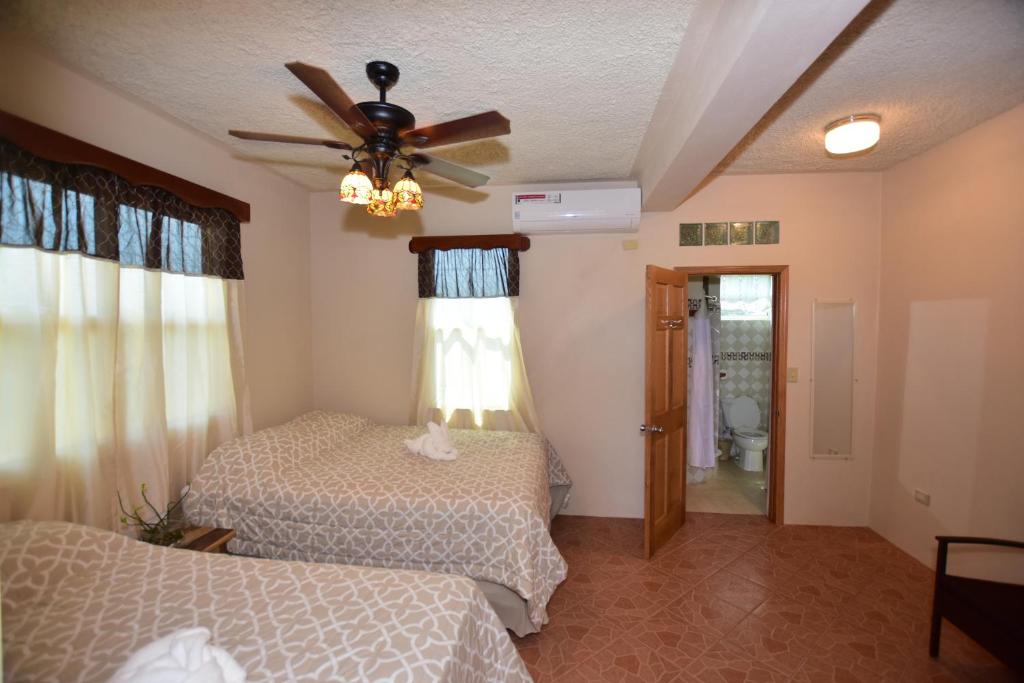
[853,134]
[386,129]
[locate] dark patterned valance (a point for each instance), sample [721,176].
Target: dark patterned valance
[76,208]
[468,273]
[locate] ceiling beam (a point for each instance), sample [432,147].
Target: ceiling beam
[736,59]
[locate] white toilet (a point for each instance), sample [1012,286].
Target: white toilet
[742,417]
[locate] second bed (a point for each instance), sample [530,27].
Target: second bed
[337,488]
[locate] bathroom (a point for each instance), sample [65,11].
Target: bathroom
[729,393]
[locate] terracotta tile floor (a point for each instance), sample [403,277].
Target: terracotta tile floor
[734,598]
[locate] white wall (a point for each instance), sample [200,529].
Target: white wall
[581,310]
[275,244]
[951,368]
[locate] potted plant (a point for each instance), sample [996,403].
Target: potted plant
[164,530]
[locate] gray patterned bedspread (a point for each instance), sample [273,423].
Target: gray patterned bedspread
[78,601]
[330,487]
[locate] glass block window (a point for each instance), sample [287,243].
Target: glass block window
[766,232]
[716,234]
[691,234]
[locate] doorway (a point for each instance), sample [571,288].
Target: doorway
[667,326]
[742,341]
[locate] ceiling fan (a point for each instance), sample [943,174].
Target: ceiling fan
[386,129]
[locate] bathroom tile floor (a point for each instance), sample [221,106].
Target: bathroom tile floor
[732,490]
[734,598]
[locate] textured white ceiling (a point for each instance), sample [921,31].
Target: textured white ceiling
[579,80]
[931,68]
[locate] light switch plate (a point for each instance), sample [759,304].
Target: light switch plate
[922,497]
[792,375]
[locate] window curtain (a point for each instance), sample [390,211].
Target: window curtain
[470,372]
[746,297]
[121,359]
[469,273]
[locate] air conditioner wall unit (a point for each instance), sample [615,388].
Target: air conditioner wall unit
[576,211]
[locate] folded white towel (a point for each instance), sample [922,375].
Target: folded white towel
[440,437]
[436,444]
[184,656]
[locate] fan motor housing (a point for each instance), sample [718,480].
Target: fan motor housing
[387,115]
[393,119]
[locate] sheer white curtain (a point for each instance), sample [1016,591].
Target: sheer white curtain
[746,297]
[111,377]
[470,370]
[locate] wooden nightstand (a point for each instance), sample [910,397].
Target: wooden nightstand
[207,539]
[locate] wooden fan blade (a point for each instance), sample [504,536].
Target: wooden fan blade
[486,125]
[324,87]
[294,139]
[447,169]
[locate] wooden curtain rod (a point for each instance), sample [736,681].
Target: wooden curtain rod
[515,241]
[53,146]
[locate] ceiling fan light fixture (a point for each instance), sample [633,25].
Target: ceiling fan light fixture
[356,187]
[408,195]
[853,134]
[382,202]
[386,129]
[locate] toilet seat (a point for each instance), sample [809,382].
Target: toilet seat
[751,433]
[742,413]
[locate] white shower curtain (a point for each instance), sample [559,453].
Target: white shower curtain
[700,432]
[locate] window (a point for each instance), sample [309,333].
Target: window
[120,354]
[471,372]
[472,354]
[746,297]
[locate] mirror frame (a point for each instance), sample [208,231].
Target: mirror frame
[853,379]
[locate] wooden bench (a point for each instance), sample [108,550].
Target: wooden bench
[990,612]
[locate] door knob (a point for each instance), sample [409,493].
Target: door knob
[654,429]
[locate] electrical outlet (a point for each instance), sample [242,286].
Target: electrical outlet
[922,497]
[792,375]
[630,245]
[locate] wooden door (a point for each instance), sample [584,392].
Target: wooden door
[666,320]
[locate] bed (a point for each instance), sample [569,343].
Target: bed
[77,601]
[337,488]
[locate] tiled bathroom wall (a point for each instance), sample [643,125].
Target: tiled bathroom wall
[746,360]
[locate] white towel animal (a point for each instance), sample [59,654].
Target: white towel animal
[436,444]
[184,656]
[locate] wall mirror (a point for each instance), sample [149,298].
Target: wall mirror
[832,378]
